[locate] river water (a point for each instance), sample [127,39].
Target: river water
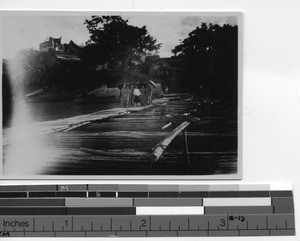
[212,142]
[44,111]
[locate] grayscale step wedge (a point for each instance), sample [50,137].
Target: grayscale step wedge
[102,210]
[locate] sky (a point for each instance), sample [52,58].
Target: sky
[25,32]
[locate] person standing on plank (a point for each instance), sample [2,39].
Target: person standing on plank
[143,96]
[124,95]
[149,95]
[130,96]
[136,95]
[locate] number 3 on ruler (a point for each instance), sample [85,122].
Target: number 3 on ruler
[222,222]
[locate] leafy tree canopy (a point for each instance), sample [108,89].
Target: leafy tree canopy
[115,43]
[208,59]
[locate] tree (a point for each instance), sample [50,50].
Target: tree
[116,45]
[208,58]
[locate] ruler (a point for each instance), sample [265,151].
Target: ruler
[97,210]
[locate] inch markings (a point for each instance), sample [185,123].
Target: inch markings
[146,210]
[190,224]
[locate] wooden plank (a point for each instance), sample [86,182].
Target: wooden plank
[160,148]
[76,126]
[39,91]
[166,126]
[116,153]
[131,134]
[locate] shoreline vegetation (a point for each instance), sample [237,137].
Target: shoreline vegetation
[204,64]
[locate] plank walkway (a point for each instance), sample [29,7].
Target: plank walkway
[23,132]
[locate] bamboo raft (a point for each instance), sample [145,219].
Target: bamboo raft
[138,141]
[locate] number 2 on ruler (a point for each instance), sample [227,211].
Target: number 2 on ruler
[143,223]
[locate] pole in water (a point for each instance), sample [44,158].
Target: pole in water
[186,147]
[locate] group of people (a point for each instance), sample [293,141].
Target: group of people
[132,95]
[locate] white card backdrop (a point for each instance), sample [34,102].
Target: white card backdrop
[271,82]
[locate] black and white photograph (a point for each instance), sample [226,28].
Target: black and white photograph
[121,95]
